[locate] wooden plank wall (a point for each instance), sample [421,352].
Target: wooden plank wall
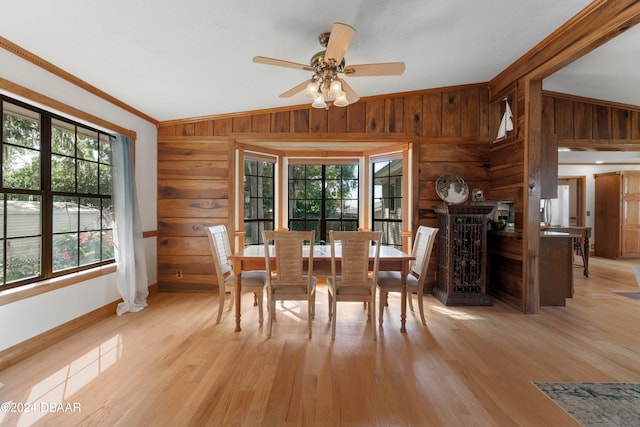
[594,124]
[575,122]
[449,129]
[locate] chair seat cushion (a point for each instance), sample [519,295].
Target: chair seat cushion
[300,289]
[392,280]
[350,290]
[253,279]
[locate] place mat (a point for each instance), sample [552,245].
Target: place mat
[596,404]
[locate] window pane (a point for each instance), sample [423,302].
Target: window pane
[350,209]
[23,258]
[21,168]
[105,149]
[63,138]
[63,174]
[65,251]
[87,145]
[20,126]
[107,213]
[108,246]
[65,214]
[105,179]
[90,214]
[24,216]
[89,247]
[314,189]
[313,172]
[87,177]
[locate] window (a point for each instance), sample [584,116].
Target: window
[387,201]
[56,213]
[323,198]
[258,199]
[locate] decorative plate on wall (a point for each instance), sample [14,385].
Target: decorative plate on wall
[452,189]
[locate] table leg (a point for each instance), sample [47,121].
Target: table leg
[403,297]
[585,251]
[238,290]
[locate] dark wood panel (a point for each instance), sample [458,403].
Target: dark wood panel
[242,124]
[635,125]
[507,154]
[413,114]
[187,129]
[204,128]
[192,169]
[451,114]
[375,116]
[337,120]
[620,123]
[318,120]
[470,114]
[193,189]
[187,227]
[507,175]
[261,123]
[194,208]
[195,264]
[564,118]
[357,117]
[187,150]
[183,246]
[300,120]
[467,170]
[601,122]
[280,121]
[222,127]
[461,152]
[582,120]
[432,123]
[394,109]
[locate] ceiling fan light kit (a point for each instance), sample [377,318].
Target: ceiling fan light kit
[325,85]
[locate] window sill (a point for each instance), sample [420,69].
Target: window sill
[27,291]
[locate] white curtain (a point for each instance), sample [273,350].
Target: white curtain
[131,276]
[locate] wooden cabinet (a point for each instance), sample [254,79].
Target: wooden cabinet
[617,214]
[556,267]
[462,254]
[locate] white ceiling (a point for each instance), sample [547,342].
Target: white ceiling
[179,59]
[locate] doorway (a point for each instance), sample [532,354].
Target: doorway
[577,199]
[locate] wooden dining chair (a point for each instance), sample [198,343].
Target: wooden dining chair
[287,279]
[391,281]
[353,280]
[250,280]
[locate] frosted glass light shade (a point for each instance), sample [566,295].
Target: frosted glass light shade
[311,92]
[318,101]
[341,100]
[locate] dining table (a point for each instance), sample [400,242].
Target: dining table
[252,257]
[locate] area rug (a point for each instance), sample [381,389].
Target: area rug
[634,295]
[597,404]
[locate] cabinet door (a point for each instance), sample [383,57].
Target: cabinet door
[630,215]
[607,215]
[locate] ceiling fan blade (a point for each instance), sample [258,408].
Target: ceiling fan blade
[380,69]
[281,63]
[296,89]
[339,40]
[352,96]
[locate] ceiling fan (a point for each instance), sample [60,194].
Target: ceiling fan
[326,66]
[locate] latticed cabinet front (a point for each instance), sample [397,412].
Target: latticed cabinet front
[462,254]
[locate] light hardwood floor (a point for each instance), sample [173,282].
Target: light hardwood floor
[170,365]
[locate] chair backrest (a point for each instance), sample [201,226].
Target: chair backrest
[221,248]
[422,247]
[287,249]
[354,261]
